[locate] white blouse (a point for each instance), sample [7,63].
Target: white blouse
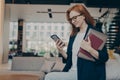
[75,49]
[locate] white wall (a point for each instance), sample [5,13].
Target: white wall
[6,35]
[28,12]
[1,28]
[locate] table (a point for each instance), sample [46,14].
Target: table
[18,77]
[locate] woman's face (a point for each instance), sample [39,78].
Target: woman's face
[76,18]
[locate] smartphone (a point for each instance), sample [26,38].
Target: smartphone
[55,38]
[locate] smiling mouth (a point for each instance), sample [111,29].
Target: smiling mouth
[75,23]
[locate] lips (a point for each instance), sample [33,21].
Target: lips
[76,24]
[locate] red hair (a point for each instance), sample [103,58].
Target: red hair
[80,9]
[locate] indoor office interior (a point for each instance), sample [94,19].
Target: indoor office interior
[26,27]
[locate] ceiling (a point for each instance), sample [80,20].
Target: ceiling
[36,13]
[54,10]
[49,13]
[89,3]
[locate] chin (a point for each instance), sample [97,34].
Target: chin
[76,26]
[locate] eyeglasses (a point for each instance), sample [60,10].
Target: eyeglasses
[74,18]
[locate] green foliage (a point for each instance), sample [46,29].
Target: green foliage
[41,53]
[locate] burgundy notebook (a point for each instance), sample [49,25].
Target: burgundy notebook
[97,39]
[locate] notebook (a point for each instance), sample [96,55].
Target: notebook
[98,41]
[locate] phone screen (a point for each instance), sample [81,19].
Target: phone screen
[55,38]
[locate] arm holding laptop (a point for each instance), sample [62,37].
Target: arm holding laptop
[86,45]
[93,46]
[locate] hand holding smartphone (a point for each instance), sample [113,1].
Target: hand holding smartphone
[55,38]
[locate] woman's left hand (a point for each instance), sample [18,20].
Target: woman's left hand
[86,44]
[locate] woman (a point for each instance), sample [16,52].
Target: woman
[81,22]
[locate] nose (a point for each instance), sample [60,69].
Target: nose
[73,21]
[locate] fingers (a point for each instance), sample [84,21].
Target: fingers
[89,40]
[60,44]
[84,42]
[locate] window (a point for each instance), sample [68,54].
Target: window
[35,27]
[56,28]
[38,35]
[62,28]
[28,27]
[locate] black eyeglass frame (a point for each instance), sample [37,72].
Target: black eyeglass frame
[74,17]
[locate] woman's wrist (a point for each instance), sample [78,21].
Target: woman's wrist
[63,53]
[93,52]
